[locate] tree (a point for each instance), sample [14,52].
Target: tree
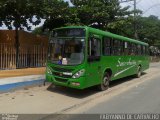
[102,14]
[38,31]
[149,29]
[56,13]
[16,14]
[41,31]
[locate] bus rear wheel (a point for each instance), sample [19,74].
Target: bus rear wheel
[105,82]
[139,72]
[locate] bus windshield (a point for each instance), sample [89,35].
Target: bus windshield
[66,50]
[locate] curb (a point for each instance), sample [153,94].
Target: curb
[13,83]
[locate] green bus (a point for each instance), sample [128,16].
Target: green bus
[80,57]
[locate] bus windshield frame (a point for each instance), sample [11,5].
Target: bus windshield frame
[67,46]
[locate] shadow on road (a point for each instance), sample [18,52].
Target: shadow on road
[73,92]
[88,91]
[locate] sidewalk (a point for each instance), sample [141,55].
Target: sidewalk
[20,78]
[21,72]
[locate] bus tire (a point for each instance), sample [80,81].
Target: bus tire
[139,72]
[105,82]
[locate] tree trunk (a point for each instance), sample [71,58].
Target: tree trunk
[17,47]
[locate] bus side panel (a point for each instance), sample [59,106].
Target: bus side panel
[123,66]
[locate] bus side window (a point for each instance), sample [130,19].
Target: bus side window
[126,48]
[122,48]
[107,46]
[147,50]
[112,46]
[144,50]
[116,49]
[94,47]
[133,49]
[136,50]
[129,48]
[139,50]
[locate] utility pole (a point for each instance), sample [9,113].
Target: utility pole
[135,16]
[135,19]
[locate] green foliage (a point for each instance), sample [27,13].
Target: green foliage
[56,13]
[16,13]
[38,31]
[102,14]
[149,29]
[41,31]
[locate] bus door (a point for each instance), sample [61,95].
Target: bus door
[94,57]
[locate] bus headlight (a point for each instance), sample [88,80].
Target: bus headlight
[48,70]
[79,74]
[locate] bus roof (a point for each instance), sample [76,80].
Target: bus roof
[106,33]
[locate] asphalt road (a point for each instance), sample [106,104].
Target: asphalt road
[143,98]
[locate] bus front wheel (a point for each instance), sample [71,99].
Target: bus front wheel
[105,82]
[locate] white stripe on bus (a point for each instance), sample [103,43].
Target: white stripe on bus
[123,71]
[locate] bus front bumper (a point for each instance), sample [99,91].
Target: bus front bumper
[77,83]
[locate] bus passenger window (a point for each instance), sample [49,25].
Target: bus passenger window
[147,50]
[143,50]
[126,48]
[133,50]
[94,47]
[139,49]
[117,47]
[129,48]
[107,46]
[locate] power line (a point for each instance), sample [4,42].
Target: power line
[135,5]
[152,9]
[153,6]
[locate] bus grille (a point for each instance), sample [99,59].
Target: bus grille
[62,69]
[61,75]
[61,80]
